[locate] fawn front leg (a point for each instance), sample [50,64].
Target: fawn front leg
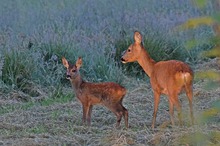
[88,117]
[85,111]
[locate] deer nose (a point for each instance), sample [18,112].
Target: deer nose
[122,59]
[68,76]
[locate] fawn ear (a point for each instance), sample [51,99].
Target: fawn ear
[65,62]
[137,37]
[79,62]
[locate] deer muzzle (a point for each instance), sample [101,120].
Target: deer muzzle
[123,60]
[68,76]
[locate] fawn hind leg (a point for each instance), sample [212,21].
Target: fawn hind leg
[125,115]
[117,109]
[119,114]
[124,111]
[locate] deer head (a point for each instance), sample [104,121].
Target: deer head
[134,50]
[72,70]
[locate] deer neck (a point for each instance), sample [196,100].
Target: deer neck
[76,83]
[146,62]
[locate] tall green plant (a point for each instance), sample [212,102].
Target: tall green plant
[213,22]
[211,114]
[17,68]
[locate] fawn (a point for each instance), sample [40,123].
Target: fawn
[108,94]
[166,77]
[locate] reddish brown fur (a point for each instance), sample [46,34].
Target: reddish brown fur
[108,94]
[166,77]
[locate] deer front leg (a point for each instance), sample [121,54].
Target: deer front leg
[85,111]
[156,103]
[89,115]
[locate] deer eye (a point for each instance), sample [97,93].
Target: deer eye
[129,50]
[74,70]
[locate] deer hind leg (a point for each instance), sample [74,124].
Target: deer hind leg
[117,109]
[189,94]
[156,103]
[171,111]
[119,114]
[125,115]
[174,99]
[125,112]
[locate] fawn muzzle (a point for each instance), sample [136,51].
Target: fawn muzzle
[68,77]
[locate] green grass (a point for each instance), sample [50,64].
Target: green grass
[61,100]
[39,129]
[199,138]
[16,68]
[8,108]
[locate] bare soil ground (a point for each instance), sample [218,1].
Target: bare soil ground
[34,124]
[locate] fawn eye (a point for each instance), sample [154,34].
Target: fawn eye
[129,50]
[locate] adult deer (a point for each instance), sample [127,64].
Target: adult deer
[166,77]
[108,94]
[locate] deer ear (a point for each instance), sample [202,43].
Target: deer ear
[137,37]
[79,62]
[65,62]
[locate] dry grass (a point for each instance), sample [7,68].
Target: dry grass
[32,123]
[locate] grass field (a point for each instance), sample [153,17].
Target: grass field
[37,104]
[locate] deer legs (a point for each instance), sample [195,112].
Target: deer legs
[189,94]
[173,101]
[118,109]
[156,103]
[87,111]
